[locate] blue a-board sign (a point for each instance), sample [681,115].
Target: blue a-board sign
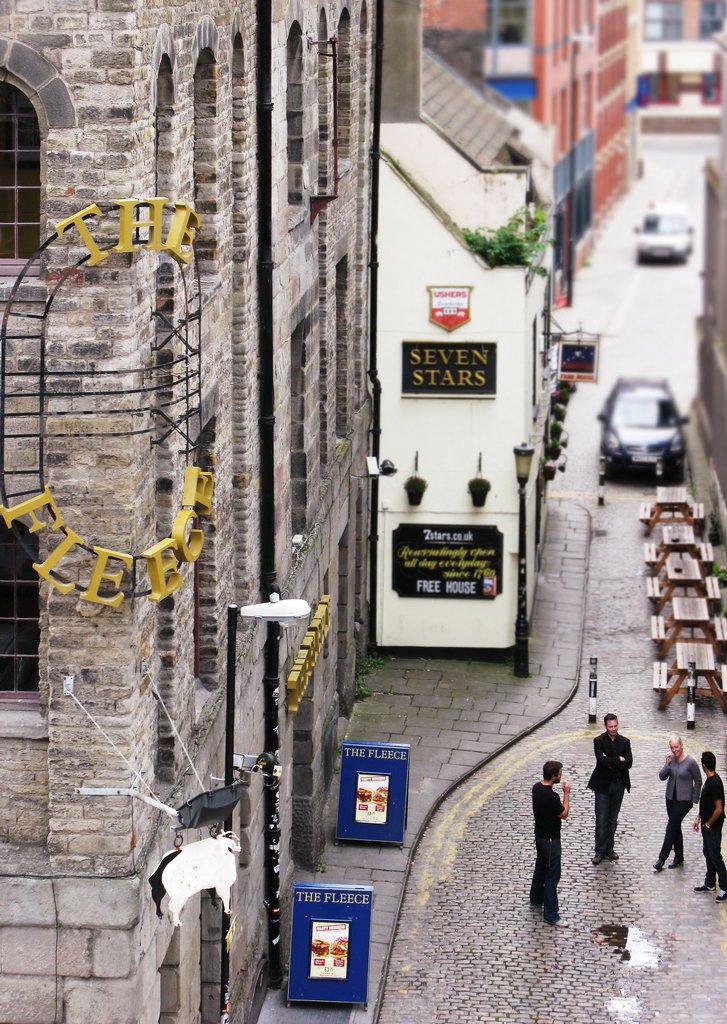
[372,799]
[329,943]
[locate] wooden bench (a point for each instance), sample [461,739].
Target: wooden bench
[698,512]
[645,511]
[650,555]
[714,594]
[706,557]
[658,628]
[720,629]
[660,675]
[653,588]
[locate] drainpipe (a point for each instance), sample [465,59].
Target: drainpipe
[269,585]
[373,370]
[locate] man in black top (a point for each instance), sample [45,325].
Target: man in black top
[711,818]
[609,781]
[548,811]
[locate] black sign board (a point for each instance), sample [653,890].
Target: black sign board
[466,369]
[447,561]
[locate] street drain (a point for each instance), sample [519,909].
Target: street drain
[630,942]
[600,533]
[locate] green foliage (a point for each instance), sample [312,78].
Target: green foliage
[518,243]
[552,450]
[556,429]
[364,668]
[415,485]
[558,412]
[720,571]
[320,866]
[478,485]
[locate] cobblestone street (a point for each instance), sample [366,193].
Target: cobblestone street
[468,945]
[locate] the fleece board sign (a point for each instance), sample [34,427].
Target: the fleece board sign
[372,798]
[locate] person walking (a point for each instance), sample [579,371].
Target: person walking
[683,786]
[711,820]
[609,781]
[548,811]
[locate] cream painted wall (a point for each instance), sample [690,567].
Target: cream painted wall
[417,250]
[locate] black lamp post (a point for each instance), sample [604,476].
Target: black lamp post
[523,460]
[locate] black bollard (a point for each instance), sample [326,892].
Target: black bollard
[691,694]
[592,689]
[602,480]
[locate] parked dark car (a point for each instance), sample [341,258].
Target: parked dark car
[642,425]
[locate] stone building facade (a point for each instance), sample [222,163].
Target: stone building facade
[161,368]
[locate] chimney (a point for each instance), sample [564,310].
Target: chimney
[402,66]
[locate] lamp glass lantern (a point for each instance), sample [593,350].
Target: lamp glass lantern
[523,461]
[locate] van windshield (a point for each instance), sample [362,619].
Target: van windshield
[664,224]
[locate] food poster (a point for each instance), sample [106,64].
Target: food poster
[372,799]
[329,949]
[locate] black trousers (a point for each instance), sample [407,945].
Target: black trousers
[712,849]
[677,811]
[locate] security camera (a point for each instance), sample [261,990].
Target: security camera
[387,468]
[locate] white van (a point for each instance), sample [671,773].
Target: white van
[665,233]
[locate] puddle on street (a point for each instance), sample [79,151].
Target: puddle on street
[633,946]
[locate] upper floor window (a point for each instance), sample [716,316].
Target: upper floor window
[19,177]
[711,18]
[19,614]
[507,22]
[663,21]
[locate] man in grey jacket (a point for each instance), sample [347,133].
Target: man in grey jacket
[683,786]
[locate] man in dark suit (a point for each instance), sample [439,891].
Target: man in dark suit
[609,781]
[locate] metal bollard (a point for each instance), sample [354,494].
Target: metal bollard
[659,471]
[602,480]
[691,694]
[592,689]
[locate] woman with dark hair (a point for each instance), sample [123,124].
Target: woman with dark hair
[683,786]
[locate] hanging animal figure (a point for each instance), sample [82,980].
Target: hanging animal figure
[207,864]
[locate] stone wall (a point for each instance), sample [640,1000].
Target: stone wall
[143,100]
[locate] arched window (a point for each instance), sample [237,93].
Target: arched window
[19,614]
[19,179]
[294,114]
[206,159]
[344,86]
[325,105]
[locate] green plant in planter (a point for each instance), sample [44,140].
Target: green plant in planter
[556,429]
[552,450]
[479,488]
[518,243]
[415,486]
[558,412]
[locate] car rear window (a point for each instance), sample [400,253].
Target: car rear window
[644,412]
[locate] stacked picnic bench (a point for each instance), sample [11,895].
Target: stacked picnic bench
[687,625]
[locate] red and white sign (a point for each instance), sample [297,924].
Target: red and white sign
[449,306]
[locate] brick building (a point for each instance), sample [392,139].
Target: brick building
[125,370]
[612,107]
[680,85]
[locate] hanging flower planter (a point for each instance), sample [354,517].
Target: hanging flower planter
[479,488]
[549,470]
[415,486]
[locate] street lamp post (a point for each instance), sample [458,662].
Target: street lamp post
[523,459]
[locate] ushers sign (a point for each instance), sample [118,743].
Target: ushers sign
[449,305]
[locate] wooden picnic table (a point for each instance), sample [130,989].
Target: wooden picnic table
[709,679]
[672,507]
[689,613]
[682,573]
